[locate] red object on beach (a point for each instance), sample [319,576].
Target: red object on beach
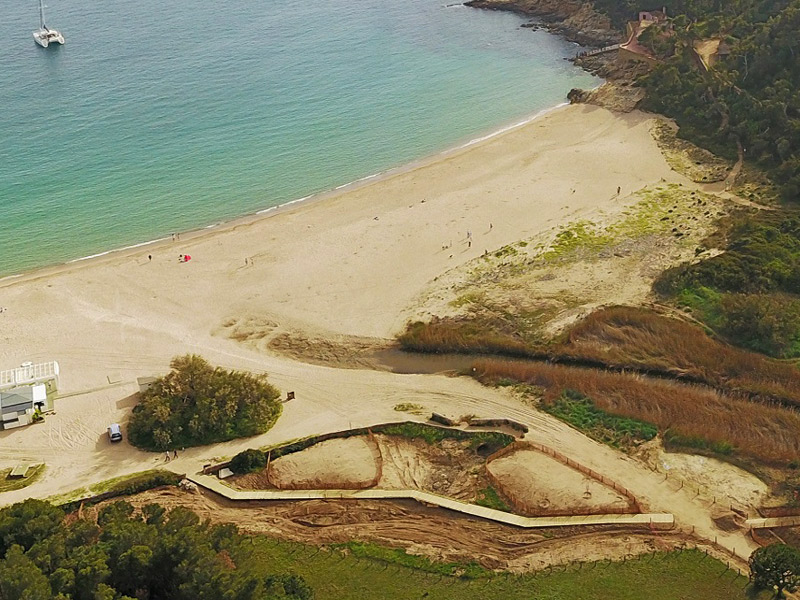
[186,258]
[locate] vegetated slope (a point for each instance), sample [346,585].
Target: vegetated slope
[636,338]
[625,338]
[691,415]
[750,96]
[749,293]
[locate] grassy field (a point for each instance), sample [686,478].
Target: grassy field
[7,484]
[670,576]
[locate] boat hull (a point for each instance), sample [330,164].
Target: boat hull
[47,37]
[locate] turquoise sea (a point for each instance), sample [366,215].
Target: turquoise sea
[159,117]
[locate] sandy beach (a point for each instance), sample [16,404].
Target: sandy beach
[352,263]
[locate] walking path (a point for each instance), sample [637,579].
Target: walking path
[653,521]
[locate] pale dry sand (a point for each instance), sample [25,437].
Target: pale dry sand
[341,464]
[327,267]
[539,485]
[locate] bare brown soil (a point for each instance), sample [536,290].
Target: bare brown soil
[431,532]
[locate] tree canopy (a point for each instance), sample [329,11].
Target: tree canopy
[150,554]
[776,567]
[750,97]
[198,404]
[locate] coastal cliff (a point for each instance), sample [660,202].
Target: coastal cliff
[575,20]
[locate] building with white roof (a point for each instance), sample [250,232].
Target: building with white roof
[26,389]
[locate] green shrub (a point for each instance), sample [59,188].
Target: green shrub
[197,404]
[580,412]
[248,461]
[765,323]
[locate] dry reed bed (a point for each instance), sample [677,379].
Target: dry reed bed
[624,338]
[637,338]
[766,432]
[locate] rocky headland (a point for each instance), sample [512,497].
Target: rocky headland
[575,20]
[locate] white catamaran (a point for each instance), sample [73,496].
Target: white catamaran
[44,36]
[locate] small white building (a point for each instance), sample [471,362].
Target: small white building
[24,390]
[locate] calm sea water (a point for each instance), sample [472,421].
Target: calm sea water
[159,117]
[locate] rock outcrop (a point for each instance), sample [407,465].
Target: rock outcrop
[575,20]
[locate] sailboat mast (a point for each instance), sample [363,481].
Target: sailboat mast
[41,15]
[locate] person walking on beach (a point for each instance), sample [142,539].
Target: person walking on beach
[150,257]
[175,453]
[619,189]
[166,456]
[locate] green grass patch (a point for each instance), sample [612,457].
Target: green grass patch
[506,251]
[367,572]
[150,478]
[398,556]
[676,441]
[9,485]
[580,412]
[581,235]
[489,498]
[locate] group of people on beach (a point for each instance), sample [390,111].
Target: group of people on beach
[469,241]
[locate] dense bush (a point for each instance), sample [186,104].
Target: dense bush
[248,461]
[750,96]
[198,404]
[749,292]
[154,554]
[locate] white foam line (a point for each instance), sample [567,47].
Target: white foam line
[339,187]
[139,245]
[489,136]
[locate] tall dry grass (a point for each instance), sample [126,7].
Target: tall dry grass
[463,336]
[623,338]
[640,339]
[768,433]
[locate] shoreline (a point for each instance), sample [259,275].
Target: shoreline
[251,217]
[345,265]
